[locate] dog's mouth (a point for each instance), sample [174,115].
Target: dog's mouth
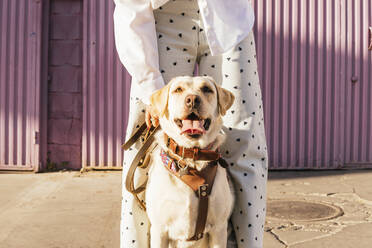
[193,125]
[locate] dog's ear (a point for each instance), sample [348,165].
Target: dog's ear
[159,100]
[225,99]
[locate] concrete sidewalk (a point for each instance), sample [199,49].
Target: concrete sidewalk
[351,191]
[69,209]
[60,210]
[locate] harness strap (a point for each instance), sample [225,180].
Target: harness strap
[203,194]
[202,213]
[201,182]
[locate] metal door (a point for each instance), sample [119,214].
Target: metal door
[20,30]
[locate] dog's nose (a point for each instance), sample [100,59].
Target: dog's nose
[192,101]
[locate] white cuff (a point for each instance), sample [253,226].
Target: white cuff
[147,89]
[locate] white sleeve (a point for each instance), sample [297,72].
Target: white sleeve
[136,43]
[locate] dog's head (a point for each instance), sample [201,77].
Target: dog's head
[190,109]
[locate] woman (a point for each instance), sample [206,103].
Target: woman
[160,39]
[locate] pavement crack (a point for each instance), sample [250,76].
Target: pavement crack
[312,239]
[277,237]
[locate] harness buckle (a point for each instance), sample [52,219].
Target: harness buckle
[195,153]
[184,170]
[183,152]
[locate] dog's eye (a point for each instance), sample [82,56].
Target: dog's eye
[178,90]
[206,89]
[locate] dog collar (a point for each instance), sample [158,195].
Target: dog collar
[168,162]
[193,153]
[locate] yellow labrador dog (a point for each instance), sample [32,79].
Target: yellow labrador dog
[190,111]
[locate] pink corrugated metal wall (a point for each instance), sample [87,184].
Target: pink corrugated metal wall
[314,66]
[105,89]
[308,51]
[20,53]
[357,71]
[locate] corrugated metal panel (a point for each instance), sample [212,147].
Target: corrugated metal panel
[20,31]
[105,89]
[304,49]
[357,65]
[308,54]
[298,50]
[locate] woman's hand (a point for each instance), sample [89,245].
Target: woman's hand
[150,117]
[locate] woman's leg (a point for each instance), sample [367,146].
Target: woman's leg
[134,226]
[177,44]
[245,147]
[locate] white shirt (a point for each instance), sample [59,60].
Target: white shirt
[226,23]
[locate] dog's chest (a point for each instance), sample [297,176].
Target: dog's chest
[173,205]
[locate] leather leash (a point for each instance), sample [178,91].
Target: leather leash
[140,160]
[134,137]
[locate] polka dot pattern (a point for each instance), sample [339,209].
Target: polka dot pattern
[182,44]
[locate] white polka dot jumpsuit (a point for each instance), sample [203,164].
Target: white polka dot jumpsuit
[182,45]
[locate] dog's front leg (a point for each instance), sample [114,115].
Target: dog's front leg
[159,239]
[218,238]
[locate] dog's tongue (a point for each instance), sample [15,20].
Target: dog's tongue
[192,126]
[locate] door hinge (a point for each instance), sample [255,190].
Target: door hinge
[36,136]
[370,38]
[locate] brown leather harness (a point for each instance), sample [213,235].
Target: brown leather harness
[201,182]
